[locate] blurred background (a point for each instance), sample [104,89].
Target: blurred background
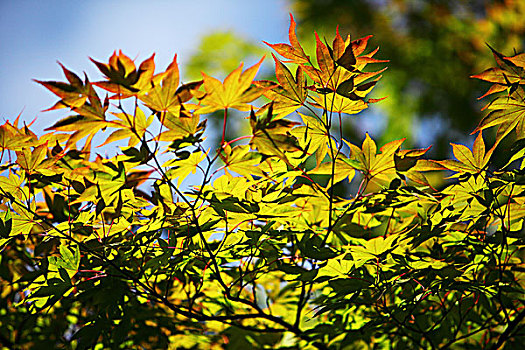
[433,47]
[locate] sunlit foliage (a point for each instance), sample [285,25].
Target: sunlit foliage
[257,250]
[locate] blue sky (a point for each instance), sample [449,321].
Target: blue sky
[35,34]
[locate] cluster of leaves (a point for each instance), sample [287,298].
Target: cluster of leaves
[118,252]
[435,44]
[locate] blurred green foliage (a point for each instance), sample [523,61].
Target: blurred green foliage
[220,53]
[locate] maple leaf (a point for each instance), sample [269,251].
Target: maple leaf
[468,161]
[81,126]
[179,127]
[373,248]
[377,167]
[129,126]
[336,268]
[293,52]
[181,168]
[383,167]
[339,71]
[12,184]
[79,96]
[406,159]
[272,136]
[123,78]
[14,138]
[236,91]
[289,95]
[340,84]
[313,137]
[509,74]
[341,170]
[163,93]
[408,163]
[338,65]
[29,160]
[339,104]
[506,112]
[239,159]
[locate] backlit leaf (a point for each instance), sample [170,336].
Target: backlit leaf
[293,52]
[236,92]
[289,95]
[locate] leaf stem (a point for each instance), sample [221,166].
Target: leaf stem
[225,120]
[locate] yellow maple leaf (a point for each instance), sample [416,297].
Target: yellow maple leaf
[183,167]
[236,91]
[377,167]
[164,93]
